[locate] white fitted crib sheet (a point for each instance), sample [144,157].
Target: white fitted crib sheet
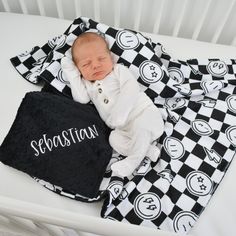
[20,32]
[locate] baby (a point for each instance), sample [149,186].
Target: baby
[135,120]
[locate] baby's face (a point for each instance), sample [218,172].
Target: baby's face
[93,60]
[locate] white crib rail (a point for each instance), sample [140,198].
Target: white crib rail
[40,220]
[214,22]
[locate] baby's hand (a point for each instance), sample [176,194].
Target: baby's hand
[69,68]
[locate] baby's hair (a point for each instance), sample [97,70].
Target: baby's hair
[87,37]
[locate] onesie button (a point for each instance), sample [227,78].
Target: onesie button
[106,100]
[100,90]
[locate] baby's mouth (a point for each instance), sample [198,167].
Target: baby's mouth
[97,73]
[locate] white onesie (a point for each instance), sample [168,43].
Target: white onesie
[136,121]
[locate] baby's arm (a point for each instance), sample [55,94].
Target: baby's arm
[129,91]
[78,89]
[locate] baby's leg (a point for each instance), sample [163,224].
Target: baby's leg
[153,152]
[154,123]
[141,141]
[119,141]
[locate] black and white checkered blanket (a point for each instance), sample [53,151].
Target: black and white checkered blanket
[197,99]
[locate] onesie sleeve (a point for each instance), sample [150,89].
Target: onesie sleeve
[78,89]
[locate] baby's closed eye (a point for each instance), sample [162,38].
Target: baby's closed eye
[102,58]
[85,64]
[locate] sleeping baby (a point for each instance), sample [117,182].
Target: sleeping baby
[135,120]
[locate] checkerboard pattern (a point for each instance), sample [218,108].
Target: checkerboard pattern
[197,99]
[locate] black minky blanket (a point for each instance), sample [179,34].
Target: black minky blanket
[59,141]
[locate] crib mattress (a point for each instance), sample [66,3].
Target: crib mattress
[20,32]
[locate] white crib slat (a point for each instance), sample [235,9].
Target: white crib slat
[96,4]
[201,20]
[117,11]
[180,19]
[41,8]
[234,42]
[4,220]
[25,224]
[77,8]
[158,19]
[13,226]
[138,15]
[223,22]
[51,229]
[80,233]
[59,9]
[13,229]
[6,6]
[23,6]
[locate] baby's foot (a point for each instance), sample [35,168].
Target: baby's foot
[153,152]
[124,168]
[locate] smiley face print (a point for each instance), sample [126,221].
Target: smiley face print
[231,135]
[217,68]
[127,40]
[163,49]
[143,167]
[127,190]
[27,53]
[231,102]
[184,221]
[150,72]
[175,103]
[147,206]
[61,77]
[213,155]
[211,86]
[176,74]
[166,174]
[175,117]
[183,90]
[115,188]
[210,103]
[198,183]
[33,77]
[57,42]
[201,127]
[174,148]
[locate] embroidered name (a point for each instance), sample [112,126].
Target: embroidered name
[64,139]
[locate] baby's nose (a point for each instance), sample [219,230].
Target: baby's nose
[96,64]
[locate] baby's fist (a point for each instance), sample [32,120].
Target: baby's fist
[69,68]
